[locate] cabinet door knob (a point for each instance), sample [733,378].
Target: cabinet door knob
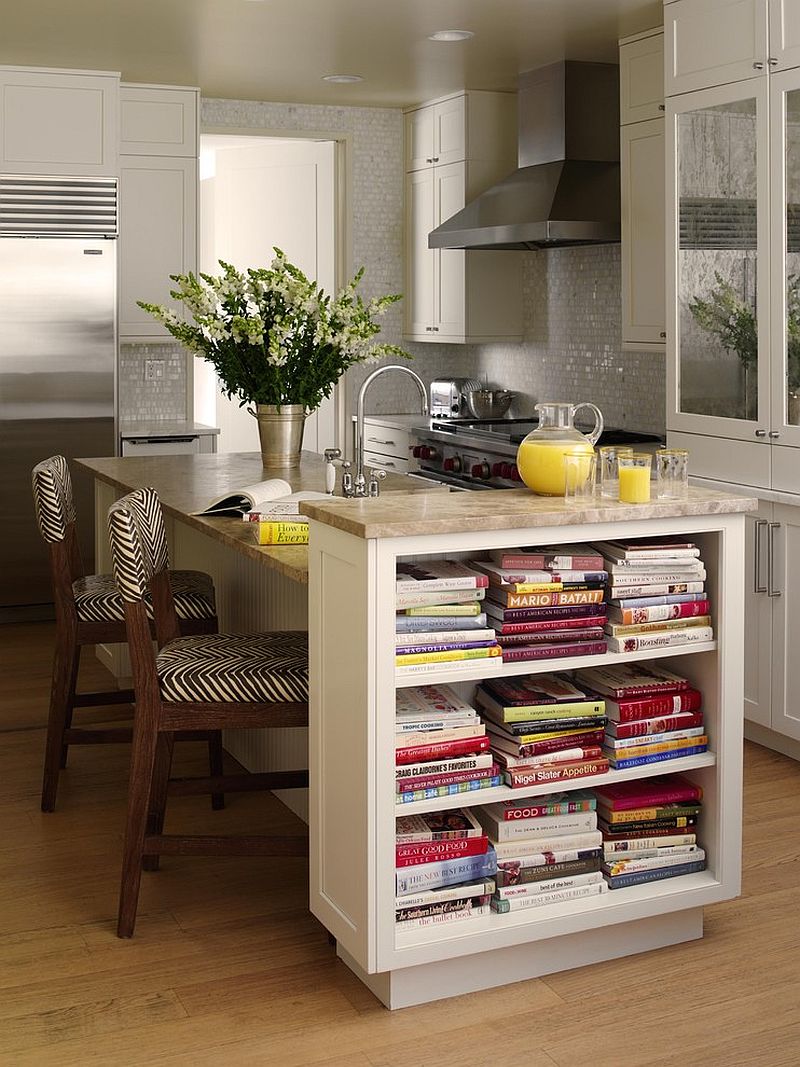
[663,333]
[662,107]
[761,433]
[774,433]
[435,159]
[758,66]
[773,61]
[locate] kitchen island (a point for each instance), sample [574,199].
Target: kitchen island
[354,549]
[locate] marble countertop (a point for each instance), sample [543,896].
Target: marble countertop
[167,428]
[189,483]
[503,509]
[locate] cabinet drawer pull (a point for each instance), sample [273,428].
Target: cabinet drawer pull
[378,441]
[773,434]
[758,66]
[773,61]
[772,591]
[761,433]
[761,524]
[663,333]
[662,107]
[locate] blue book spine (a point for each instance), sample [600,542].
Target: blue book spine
[445,872]
[620,881]
[413,624]
[449,790]
[657,757]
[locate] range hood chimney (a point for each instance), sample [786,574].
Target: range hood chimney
[566,190]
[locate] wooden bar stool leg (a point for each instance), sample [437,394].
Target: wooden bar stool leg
[70,705]
[140,788]
[158,796]
[65,674]
[216,767]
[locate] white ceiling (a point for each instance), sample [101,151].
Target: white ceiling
[279,49]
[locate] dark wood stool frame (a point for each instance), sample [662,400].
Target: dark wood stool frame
[154,728]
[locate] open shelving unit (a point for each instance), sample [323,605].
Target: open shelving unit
[352,763]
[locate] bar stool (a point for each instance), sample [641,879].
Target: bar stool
[220,681]
[89,611]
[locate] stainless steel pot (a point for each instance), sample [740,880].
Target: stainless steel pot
[489,403]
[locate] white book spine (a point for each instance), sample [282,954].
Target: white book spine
[558,896]
[689,852]
[450,892]
[531,829]
[448,917]
[642,642]
[443,637]
[621,743]
[632,866]
[548,885]
[458,763]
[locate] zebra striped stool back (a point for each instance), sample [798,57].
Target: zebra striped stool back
[53,499]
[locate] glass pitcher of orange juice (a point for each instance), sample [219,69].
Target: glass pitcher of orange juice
[540,459]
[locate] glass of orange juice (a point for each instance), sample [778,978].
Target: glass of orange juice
[634,477]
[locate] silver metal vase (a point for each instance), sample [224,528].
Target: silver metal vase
[281,432]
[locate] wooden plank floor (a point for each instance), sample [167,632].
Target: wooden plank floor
[228,968]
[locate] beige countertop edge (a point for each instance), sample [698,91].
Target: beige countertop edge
[519,509]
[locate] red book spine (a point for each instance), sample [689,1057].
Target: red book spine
[543,562]
[654,689]
[518,655]
[655,798]
[555,773]
[468,746]
[543,625]
[641,727]
[431,851]
[666,704]
[555,744]
[428,781]
[667,611]
[553,636]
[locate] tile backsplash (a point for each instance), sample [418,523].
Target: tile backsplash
[152,401]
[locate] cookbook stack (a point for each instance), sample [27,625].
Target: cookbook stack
[546,603]
[441,746]
[649,829]
[439,616]
[653,714]
[548,850]
[657,595]
[444,869]
[542,728]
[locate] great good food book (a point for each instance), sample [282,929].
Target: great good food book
[273,498]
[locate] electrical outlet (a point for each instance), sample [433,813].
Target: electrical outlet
[154,370]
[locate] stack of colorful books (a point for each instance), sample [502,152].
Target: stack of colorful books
[441,746]
[542,728]
[649,829]
[439,616]
[546,603]
[548,850]
[444,869]
[656,594]
[653,714]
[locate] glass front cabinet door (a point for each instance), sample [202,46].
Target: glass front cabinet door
[785,260]
[718,227]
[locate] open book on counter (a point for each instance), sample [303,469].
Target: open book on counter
[263,501]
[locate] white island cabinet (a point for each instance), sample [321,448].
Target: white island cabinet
[354,548]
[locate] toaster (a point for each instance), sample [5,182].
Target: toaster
[447,397]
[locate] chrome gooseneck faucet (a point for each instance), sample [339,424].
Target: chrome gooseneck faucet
[358,485]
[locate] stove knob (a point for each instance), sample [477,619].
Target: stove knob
[505,471]
[452,464]
[515,475]
[481,470]
[497,470]
[417,451]
[433,454]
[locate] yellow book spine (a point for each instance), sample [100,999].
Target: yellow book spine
[447,657]
[661,746]
[620,630]
[535,587]
[282,533]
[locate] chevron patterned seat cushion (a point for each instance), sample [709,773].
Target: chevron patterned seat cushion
[235,667]
[97,599]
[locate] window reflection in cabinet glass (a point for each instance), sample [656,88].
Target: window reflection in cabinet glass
[717,260]
[792,350]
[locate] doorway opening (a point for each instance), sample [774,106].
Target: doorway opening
[259,192]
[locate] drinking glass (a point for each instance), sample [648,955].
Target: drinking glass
[672,472]
[608,463]
[634,478]
[579,477]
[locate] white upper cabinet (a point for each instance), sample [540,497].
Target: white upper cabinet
[641,77]
[58,122]
[158,121]
[454,149]
[714,42]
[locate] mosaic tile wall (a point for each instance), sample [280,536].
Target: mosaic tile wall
[573,348]
[154,401]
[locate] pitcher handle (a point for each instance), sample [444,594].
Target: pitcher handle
[594,436]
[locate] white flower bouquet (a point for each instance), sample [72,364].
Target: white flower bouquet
[273,336]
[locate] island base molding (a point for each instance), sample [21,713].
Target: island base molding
[762,735]
[517,963]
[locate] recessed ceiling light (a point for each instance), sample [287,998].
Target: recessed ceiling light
[342,79]
[451,35]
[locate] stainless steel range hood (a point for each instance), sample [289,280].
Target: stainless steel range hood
[566,190]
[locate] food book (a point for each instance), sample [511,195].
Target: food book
[625,680]
[468,609]
[502,831]
[552,804]
[546,627]
[431,781]
[447,655]
[546,759]
[434,792]
[437,826]
[566,598]
[429,700]
[648,548]
[614,629]
[557,772]
[438,575]
[661,724]
[543,651]
[648,792]
[505,576]
[549,885]
[445,872]
[642,642]
[411,855]
[281,533]
[414,624]
[550,557]
[442,750]
[452,892]
[409,595]
[550,637]
[273,497]
[514,875]
[621,881]
[628,616]
[619,761]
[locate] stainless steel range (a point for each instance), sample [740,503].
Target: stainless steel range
[481,454]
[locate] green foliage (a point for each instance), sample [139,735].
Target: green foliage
[272,335]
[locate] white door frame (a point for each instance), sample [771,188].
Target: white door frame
[342,223]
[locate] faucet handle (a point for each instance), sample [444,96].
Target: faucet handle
[376,476]
[331,454]
[347,479]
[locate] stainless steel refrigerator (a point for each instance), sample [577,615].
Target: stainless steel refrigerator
[58,358]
